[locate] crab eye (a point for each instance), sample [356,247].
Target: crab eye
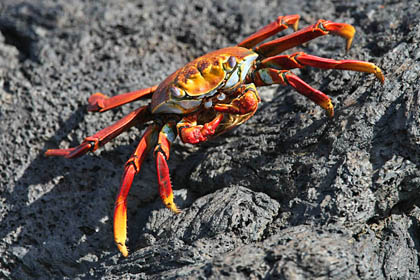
[230,63]
[208,104]
[176,92]
[221,97]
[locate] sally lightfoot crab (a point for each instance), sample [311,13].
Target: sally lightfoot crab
[209,96]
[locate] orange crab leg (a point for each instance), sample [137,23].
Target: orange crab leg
[300,60]
[281,23]
[102,137]
[269,76]
[192,133]
[132,167]
[99,102]
[166,136]
[322,27]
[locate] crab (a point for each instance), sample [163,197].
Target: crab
[209,96]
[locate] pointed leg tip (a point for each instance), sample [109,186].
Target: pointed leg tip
[172,206]
[328,107]
[344,30]
[50,153]
[296,25]
[95,102]
[123,249]
[349,41]
[292,20]
[330,112]
[379,75]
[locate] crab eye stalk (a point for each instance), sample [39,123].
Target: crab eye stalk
[176,92]
[230,64]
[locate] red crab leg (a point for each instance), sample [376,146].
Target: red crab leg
[322,27]
[247,102]
[269,76]
[132,167]
[99,102]
[300,59]
[192,133]
[281,23]
[102,137]
[166,136]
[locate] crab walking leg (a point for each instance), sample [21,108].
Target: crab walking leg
[98,102]
[192,133]
[166,136]
[92,143]
[281,23]
[322,27]
[301,59]
[269,76]
[132,167]
[246,102]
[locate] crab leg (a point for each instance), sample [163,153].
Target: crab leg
[102,137]
[269,76]
[301,59]
[192,133]
[99,102]
[281,23]
[322,27]
[132,167]
[166,136]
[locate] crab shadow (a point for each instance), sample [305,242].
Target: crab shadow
[391,142]
[248,172]
[61,210]
[70,215]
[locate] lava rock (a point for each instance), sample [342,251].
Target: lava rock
[290,194]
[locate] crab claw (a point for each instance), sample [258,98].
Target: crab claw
[341,29]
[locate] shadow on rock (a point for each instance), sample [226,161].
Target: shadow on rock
[65,217]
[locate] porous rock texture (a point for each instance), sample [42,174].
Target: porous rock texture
[290,194]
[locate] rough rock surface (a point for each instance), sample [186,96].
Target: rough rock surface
[288,195]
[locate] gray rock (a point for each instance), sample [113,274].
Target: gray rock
[288,195]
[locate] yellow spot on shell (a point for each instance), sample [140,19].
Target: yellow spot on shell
[202,75]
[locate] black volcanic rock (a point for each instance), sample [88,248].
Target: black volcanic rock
[290,194]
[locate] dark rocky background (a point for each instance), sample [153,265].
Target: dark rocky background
[288,195]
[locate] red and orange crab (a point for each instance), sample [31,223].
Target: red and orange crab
[209,96]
